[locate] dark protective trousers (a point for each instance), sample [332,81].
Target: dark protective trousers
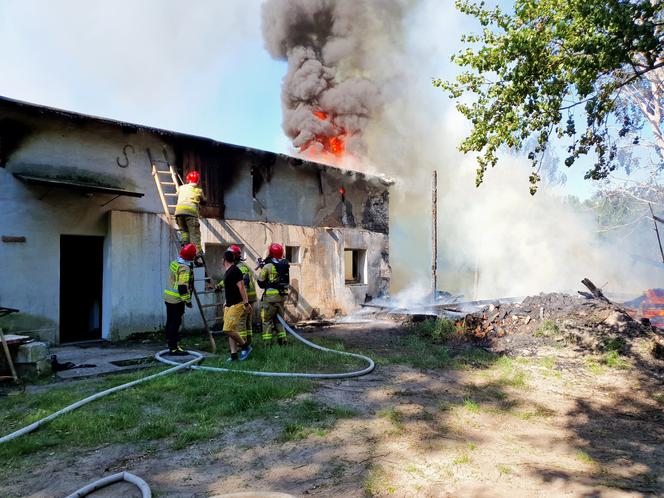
[174,314]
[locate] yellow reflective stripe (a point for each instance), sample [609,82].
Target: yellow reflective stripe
[271,292]
[184,207]
[171,293]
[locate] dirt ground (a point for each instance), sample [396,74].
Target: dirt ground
[545,425]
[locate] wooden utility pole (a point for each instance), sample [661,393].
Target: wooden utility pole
[434,233]
[655,219]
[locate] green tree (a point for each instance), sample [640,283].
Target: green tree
[588,71]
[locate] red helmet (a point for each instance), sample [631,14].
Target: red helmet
[276,251]
[188,252]
[193,177]
[235,250]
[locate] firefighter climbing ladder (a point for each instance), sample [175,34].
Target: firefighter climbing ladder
[167,181]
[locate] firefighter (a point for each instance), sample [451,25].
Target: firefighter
[190,197]
[178,295]
[274,277]
[246,331]
[236,307]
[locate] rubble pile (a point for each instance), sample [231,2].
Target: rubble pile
[595,324]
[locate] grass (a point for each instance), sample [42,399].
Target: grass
[584,457]
[612,359]
[549,328]
[307,417]
[471,406]
[188,407]
[439,330]
[182,408]
[659,398]
[616,344]
[598,365]
[504,470]
[375,482]
[507,372]
[295,357]
[419,351]
[462,459]
[538,412]
[394,416]
[547,362]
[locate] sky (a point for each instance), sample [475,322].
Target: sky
[196,67]
[200,67]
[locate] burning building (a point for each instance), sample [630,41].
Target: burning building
[85,245]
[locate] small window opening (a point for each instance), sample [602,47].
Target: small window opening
[354,264]
[293,254]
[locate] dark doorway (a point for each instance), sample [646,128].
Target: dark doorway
[81,267]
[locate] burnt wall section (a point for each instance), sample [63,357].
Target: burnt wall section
[309,194]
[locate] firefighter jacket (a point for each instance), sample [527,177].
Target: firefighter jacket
[275,291]
[178,289]
[190,197]
[249,283]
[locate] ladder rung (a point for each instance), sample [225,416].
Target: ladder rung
[171,205]
[210,305]
[202,279]
[205,292]
[163,172]
[166,194]
[215,319]
[168,183]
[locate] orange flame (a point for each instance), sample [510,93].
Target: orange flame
[331,149]
[651,306]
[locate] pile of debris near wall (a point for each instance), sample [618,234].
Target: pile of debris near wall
[593,323]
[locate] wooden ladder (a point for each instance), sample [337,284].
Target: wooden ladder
[167,181]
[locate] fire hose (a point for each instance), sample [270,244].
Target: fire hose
[343,375]
[191,364]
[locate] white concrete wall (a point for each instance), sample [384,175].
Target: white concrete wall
[293,206]
[138,252]
[31,270]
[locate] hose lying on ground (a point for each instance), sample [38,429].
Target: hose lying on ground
[343,375]
[191,364]
[146,492]
[94,397]
[107,481]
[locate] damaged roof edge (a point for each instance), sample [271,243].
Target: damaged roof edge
[160,131]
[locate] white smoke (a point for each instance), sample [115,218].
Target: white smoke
[496,240]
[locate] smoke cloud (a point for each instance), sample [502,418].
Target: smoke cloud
[328,95]
[371,62]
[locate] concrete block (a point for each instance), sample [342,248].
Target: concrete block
[31,352]
[40,368]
